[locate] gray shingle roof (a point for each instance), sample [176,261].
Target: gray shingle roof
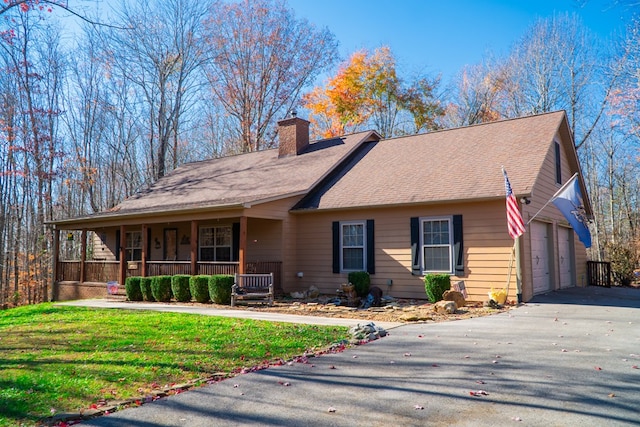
[448,165]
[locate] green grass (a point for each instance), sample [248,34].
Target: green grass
[68,358]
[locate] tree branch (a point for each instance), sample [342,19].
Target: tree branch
[29,4]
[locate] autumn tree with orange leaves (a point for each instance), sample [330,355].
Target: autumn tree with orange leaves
[367,91]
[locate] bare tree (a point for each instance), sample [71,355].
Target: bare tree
[558,65]
[159,54]
[32,59]
[476,93]
[261,57]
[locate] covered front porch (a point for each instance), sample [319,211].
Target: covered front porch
[86,259]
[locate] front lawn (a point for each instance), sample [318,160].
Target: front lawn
[57,359]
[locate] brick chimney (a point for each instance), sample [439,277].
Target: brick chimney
[294,136]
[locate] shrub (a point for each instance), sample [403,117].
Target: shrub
[180,287]
[623,262]
[360,281]
[435,285]
[220,288]
[145,288]
[161,288]
[132,288]
[199,287]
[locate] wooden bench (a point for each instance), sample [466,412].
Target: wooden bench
[252,288]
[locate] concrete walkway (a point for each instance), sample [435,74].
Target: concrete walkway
[210,311]
[569,358]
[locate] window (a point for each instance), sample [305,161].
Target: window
[215,243]
[437,245]
[133,246]
[558,165]
[437,248]
[352,246]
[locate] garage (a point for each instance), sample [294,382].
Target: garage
[540,238]
[566,258]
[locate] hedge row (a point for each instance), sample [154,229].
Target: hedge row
[182,288]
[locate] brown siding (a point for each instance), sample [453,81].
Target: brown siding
[264,240]
[487,248]
[279,210]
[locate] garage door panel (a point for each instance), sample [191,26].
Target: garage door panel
[540,257]
[565,258]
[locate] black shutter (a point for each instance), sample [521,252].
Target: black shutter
[458,246]
[371,261]
[117,245]
[415,243]
[235,242]
[336,246]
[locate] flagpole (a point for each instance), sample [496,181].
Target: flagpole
[513,251]
[566,184]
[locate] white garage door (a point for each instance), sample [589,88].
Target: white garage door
[540,257]
[565,258]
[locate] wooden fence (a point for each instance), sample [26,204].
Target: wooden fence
[599,273]
[106,271]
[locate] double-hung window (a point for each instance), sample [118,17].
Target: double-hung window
[133,246]
[437,245]
[353,246]
[215,243]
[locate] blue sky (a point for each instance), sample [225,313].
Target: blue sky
[441,36]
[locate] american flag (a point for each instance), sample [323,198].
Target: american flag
[515,224]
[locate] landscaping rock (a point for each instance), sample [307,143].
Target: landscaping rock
[445,307]
[313,292]
[492,304]
[454,296]
[366,332]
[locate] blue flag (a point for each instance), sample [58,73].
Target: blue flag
[569,201]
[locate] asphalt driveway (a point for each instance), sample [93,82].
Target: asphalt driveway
[569,358]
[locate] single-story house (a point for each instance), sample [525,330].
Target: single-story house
[311,212]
